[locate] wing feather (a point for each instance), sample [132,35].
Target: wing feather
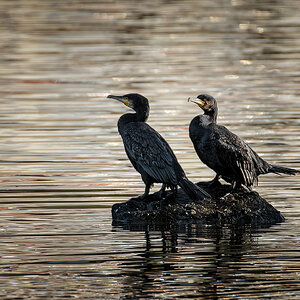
[148,151]
[236,155]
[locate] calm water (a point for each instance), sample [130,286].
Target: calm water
[62,163]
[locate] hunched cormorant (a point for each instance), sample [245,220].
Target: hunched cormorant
[224,152]
[148,151]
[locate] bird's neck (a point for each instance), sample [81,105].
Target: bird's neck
[140,116]
[212,115]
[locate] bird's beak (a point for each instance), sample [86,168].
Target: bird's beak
[199,102]
[119,98]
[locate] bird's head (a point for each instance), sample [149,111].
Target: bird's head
[205,102]
[135,101]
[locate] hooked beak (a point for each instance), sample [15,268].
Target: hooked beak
[197,101]
[119,98]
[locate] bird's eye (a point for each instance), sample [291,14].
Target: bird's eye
[126,102]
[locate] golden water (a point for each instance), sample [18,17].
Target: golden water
[62,163]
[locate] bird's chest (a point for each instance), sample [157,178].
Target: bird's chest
[204,147]
[202,141]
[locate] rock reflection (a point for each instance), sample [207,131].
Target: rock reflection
[192,260]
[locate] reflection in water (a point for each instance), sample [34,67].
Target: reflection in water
[62,163]
[210,259]
[204,262]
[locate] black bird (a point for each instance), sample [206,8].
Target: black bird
[148,151]
[224,152]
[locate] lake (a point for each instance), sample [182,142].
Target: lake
[63,166]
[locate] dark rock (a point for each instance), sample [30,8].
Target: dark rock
[224,209]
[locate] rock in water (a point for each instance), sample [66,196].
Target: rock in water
[239,208]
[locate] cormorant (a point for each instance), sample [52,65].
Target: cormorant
[148,151]
[224,152]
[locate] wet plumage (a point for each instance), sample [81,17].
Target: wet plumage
[224,152]
[148,151]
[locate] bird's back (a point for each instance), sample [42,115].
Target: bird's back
[227,154]
[149,152]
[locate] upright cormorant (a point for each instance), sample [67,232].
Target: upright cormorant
[148,151]
[224,152]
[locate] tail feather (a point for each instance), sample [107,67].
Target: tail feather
[283,170]
[192,190]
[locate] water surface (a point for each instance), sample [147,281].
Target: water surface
[62,163]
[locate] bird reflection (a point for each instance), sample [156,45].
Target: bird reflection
[201,259]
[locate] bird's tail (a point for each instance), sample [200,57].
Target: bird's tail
[192,190]
[283,170]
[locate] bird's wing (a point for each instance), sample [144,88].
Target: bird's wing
[150,152]
[234,153]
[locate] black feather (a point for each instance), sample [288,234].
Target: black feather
[148,151]
[224,152]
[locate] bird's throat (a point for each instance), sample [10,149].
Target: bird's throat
[212,115]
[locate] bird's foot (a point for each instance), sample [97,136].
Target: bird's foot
[148,198]
[223,198]
[160,194]
[169,200]
[236,189]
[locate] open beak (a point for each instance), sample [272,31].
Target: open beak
[197,101]
[119,98]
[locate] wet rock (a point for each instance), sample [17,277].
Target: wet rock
[239,208]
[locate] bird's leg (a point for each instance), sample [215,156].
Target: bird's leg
[215,181]
[248,188]
[162,190]
[146,193]
[174,192]
[171,198]
[235,186]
